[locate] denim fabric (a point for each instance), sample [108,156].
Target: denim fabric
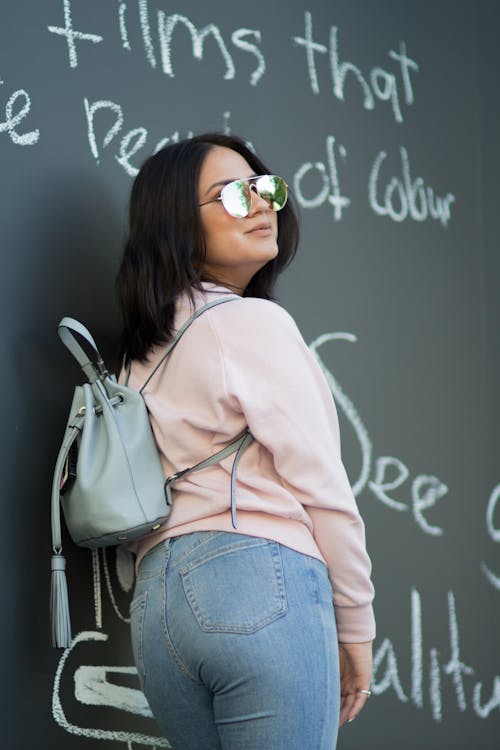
[235,644]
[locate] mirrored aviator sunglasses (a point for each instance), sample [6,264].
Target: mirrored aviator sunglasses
[236,197]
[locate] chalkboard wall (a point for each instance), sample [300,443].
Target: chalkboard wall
[383,116]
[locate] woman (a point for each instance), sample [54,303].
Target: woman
[235,636]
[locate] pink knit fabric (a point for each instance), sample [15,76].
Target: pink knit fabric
[245,363]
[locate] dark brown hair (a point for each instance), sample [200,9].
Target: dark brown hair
[165,248]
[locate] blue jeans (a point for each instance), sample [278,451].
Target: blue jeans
[235,643]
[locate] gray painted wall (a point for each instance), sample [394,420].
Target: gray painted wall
[372,111]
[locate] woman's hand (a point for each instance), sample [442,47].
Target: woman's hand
[355,675]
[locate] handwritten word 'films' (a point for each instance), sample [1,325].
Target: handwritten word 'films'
[395,197]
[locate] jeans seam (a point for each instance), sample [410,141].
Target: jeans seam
[239,545]
[138,606]
[329,682]
[149,575]
[168,640]
[207,536]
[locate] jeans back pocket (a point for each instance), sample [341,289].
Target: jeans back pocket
[238,588]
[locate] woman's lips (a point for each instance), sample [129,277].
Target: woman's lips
[262,229]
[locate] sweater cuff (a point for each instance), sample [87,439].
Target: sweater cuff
[355,624]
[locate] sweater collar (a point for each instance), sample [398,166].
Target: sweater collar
[213,288]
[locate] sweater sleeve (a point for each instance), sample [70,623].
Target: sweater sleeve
[274,379]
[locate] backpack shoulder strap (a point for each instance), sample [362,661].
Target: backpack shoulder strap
[236,446]
[182,330]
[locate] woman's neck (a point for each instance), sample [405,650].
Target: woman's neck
[226,284]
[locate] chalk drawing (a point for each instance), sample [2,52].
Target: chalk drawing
[405,197]
[125,569]
[237,38]
[109,588]
[96,586]
[435,686]
[386,673]
[322,195]
[425,489]
[382,84]
[131,142]
[330,189]
[456,667]
[146,32]
[68,31]
[311,47]
[12,120]
[339,71]
[90,111]
[166,27]
[174,138]
[131,701]
[347,406]
[402,198]
[122,9]
[385,655]
[493,532]
[406,63]
[385,87]
[380,486]
[492,578]
[484,710]
[93,688]
[416,649]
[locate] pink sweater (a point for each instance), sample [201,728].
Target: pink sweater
[245,363]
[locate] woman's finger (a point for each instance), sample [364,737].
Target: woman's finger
[350,706]
[347,703]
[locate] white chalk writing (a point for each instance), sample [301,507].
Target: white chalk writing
[69,32]
[386,672]
[425,489]
[406,197]
[122,9]
[385,656]
[13,119]
[238,39]
[132,141]
[402,198]
[93,688]
[384,84]
[146,32]
[131,701]
[166,26]
[493,533]
[330,189]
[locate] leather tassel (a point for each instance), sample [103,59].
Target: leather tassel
[60,625]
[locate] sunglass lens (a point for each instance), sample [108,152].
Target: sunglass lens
[273,190]
[236,198]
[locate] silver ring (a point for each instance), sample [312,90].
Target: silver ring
[365,692]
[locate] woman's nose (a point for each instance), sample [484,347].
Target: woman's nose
[258,203]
